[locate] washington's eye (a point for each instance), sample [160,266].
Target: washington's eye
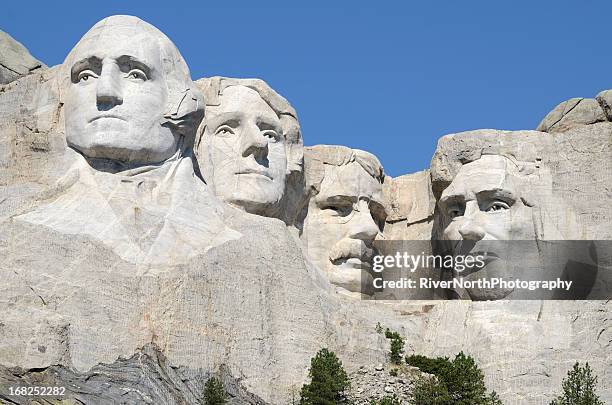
[224,130]
[137,74]
[497,206]
[271,135]
[86,75]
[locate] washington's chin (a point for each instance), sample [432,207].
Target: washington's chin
[114,145]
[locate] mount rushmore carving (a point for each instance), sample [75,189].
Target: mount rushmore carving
[140,208]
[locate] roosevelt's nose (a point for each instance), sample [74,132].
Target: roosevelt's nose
[470,228]
[109,92]
[254,143]
[362,225]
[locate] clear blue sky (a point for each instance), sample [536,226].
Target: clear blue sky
[387,77]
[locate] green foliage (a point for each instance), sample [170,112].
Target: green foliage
[457,382]
[379,328]
[328,380]
[386,400]
[579,387]
[429,391]
[397,346]
[214,393]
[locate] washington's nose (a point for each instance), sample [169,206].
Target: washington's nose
[254,143]
[108,91]
[362,225]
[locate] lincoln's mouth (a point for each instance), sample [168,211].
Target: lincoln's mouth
[107,116]
[255,173]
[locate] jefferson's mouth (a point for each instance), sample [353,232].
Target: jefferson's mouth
[113,116]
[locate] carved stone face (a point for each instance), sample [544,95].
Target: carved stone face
[243,151]
[343,220]
[115,101]
[485,202]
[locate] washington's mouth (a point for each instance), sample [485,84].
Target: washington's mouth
[255,173]
[105,116]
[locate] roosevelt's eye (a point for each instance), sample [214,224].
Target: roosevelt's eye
[86,75]
[137,74]
[497,206]
[337,209]
[224,130]
[271,135]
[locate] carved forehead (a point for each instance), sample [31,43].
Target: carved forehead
[126,35]
[243,101]
[350,180]
[490,172]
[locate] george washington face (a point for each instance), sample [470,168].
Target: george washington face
[117,96]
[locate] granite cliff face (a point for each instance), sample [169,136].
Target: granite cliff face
[133,282]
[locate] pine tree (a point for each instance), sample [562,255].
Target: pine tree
[214,393]
[579,387]
[397,346]
[328,380]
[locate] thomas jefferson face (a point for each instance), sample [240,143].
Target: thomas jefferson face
[243,153]
[343,220]
[116,98]
[485,203]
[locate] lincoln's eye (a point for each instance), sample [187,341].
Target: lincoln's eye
[454,212]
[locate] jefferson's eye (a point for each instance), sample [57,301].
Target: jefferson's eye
[137,74]
[497,206]
[85,75]
[271,135]
[224,130]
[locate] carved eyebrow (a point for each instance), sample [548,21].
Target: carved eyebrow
[128,62]
[232,119]
[503,194]
[266,124]
[334,198]
[94,63]
[449,199]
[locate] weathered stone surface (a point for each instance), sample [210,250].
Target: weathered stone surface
[525,348]
[573,169]
[144,378]
[345,214]
[76,309]
[15,60]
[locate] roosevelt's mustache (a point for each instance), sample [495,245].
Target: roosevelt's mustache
[351,248]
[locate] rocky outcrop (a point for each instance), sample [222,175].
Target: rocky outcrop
[252,309]
[15,60]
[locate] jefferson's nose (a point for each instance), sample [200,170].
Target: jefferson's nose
[108,91]
[254,143]
[362,225]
